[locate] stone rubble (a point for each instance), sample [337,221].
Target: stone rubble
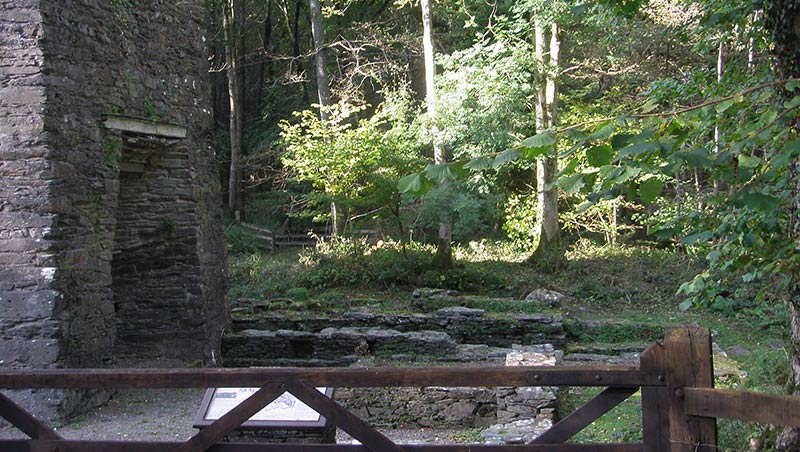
[545,297]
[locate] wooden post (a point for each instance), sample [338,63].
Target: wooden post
[688,353]
[655,402]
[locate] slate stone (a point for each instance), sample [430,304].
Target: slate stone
[544,296]
[459,312]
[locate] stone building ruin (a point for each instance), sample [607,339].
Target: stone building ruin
[111,247]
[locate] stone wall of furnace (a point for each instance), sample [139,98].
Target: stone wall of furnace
[111,248]
[29,333]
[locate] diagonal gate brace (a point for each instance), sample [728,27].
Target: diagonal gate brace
[370,438]
[24,421]
[583,416]
[232,419]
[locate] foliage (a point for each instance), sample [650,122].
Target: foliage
[617,332]
[641,155]
[355,162]
[604,218]
[483,98]
[739,230]
[623,424]
[355,262]
[260,275]
[240,240]
[297,293]
[519,210]
[471,214]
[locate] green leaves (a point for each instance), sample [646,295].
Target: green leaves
[746,161]
[444,172]
[650,189]
[418,184]
[603,132]
[480,163]
[760,202]
[724,105]
[538,145]
[505,157]
[414,184]
[540,140]
[598,156]
[571,184]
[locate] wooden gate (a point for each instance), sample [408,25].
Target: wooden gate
[679,404]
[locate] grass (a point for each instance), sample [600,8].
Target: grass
[468,436]
[635,286]
[603,281]
[623,424]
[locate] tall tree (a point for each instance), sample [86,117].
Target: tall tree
[547,48]
[783,22]
[229,20]
[323,94]
[444,252]
[318,33]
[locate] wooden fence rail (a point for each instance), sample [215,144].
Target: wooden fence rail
[679,404]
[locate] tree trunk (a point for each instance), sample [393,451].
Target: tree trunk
[783,22]
[444,252]
[323,92]
[717,132]
[323,89]
[229,18]
[266,58]
[548,251]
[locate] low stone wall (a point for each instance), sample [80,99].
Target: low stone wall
[331,346]
[528,402]
[464,325]
[455,336]
[460,407]
[422,407]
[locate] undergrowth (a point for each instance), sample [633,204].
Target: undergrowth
[603,280]
[355,262]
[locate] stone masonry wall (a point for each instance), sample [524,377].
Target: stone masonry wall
[106,257]
[29,334]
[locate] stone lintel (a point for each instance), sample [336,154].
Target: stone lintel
[136,125]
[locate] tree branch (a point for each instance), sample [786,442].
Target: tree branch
[681,111]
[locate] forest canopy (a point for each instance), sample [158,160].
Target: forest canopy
[614,120]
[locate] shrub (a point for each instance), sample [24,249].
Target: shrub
[242,241]
[260,276]
[520,214]
[340,261]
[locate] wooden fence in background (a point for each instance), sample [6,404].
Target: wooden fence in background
[679,404]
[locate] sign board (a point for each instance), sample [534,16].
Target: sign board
[284,412]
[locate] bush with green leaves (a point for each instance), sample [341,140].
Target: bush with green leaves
[261,275]
[355,262]
[470,213]
[350,160]
[520,209]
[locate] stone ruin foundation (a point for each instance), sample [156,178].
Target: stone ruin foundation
[111,247]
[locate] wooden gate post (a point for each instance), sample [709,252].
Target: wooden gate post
[688,353]
[655,402]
